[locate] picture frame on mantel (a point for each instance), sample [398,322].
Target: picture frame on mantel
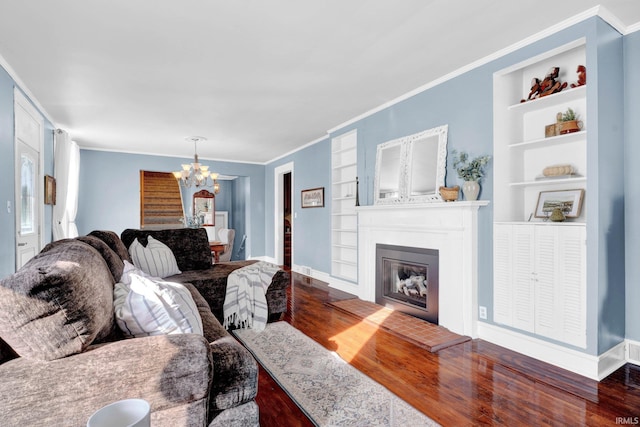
[313,198]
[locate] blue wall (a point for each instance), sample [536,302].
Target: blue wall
[465,103]
[311,226]
[7,183]
[110,193]
[632,178]
[232,198]
[109,188]
[7,192]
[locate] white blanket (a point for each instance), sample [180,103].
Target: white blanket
[245,303]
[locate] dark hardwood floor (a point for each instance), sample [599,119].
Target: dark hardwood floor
[474,383]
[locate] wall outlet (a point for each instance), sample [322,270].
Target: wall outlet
[482,312]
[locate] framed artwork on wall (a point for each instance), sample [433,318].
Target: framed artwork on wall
[49,190]
[313,198]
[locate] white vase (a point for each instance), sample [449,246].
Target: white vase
[471,189]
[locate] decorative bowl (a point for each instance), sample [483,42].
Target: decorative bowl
[450,194]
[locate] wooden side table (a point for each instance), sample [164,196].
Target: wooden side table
[217,248]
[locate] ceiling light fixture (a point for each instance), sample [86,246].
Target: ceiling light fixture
[200,176]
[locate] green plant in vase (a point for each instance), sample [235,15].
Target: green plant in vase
[470,171]
[569,122]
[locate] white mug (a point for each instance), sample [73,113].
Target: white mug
[124,413]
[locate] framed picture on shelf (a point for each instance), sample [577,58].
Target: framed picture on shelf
[49,190]
[569,202]
[313,198]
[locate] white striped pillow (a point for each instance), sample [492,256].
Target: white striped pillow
[153,307]
[156,259]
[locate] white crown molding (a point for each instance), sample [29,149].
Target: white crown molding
[145,153]
[595,11]
[295,150]
[23,87]
[633,28]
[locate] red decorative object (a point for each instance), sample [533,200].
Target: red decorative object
[548,86]
[582,76]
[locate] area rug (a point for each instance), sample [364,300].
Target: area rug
[420,332]
[326,388]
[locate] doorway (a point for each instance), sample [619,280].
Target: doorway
[284,215]
[288,220]
[29,199]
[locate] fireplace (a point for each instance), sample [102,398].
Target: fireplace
[407,280]
[449,228]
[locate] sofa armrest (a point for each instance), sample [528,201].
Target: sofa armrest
[235,374]
[166,370]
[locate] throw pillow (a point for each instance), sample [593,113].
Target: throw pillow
[154,307]
[129,270]
[59,303]
[156,259]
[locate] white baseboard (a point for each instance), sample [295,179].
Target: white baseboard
[594,367]
[334,282]
[264,258]
[632,352]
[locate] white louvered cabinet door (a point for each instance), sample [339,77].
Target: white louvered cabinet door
[547,307]
[540,280]
[523,277]
[502,274]
[572,288]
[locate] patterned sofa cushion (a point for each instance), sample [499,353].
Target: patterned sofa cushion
[58,303]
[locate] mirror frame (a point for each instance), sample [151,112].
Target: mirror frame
[401,173]
[204,194]
[405,167]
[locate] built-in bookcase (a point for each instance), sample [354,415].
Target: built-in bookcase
[520,147]
[539,266]
[344,220]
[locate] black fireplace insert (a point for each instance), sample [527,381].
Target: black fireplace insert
[407,280]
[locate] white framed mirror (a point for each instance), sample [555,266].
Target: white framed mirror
[389,171]
[411,169]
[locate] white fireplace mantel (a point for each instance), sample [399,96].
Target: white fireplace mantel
[451,228]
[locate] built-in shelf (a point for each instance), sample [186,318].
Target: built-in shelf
[539,280]
[345,165]
[344,198]
[550,181]
[345,230]
[344,220]
[559,139]
[565,96]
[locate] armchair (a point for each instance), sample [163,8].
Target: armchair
[226,236]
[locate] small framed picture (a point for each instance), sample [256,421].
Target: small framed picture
[49,190]
[569,201]
[313,198]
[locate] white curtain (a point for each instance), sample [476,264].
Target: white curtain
[67,173]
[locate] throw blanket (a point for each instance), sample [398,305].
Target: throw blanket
[245,304]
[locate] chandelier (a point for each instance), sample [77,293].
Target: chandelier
[197,175]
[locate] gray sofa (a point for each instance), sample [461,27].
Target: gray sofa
[193,255]
[62,356]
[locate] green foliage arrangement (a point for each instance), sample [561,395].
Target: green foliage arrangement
[569,115]
[469,170]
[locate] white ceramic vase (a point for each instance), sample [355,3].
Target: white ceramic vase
[471,189]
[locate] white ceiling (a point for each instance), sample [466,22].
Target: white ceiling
[258,78]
